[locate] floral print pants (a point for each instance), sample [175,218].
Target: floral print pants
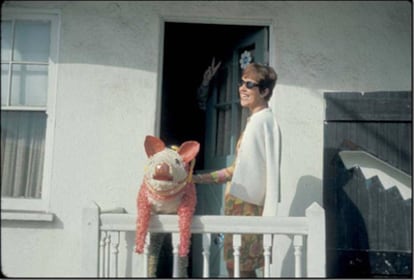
[251,250]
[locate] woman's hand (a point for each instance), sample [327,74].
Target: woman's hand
[210,72]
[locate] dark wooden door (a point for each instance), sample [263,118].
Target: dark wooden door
[369,228]
[225,120]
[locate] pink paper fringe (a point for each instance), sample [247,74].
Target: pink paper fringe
[185,213]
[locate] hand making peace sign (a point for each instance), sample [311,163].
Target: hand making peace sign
[210,72]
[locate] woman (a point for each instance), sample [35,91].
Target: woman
[253,179]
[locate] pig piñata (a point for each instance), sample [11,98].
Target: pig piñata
[167,189]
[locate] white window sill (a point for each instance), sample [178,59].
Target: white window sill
[26,216]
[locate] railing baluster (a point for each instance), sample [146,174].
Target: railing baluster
[102,254]
[206,254]
[145,255]
[236,253]
[175,242]
[114,253]
[107,254]
[297,244]
[267,245]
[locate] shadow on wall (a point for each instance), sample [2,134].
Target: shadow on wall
[309,190]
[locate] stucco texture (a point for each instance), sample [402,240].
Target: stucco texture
[108,99]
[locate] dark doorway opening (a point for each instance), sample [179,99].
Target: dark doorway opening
[188,51]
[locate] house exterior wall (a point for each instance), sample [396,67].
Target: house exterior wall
[107,97]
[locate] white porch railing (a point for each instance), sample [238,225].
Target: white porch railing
[102,236]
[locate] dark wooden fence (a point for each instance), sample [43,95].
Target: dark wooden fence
[369,229]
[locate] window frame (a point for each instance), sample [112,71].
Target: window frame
[53,16]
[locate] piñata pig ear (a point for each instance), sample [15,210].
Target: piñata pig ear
[153,145]
[188,150]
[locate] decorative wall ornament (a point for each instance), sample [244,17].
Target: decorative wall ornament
[245,59]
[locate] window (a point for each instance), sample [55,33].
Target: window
[28,85]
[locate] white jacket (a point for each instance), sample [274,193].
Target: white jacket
[256,175]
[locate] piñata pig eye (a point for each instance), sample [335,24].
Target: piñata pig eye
[177,161]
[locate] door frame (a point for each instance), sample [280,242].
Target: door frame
[267,22]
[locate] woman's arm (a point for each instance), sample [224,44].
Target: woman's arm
[220,176]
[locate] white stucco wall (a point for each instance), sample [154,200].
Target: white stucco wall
[107,96]
[333,47]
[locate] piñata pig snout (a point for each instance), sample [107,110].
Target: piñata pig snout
[162,172]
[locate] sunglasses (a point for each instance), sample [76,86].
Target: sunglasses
[248,84]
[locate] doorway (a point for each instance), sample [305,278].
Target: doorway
[188,50]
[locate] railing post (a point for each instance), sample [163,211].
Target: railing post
[107,255]
[102,244]
[146,252]
[316,251]
[236,253]
[267,245]
[90,240]
[297,246]
[175,238]
[114,253]
[206,254]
